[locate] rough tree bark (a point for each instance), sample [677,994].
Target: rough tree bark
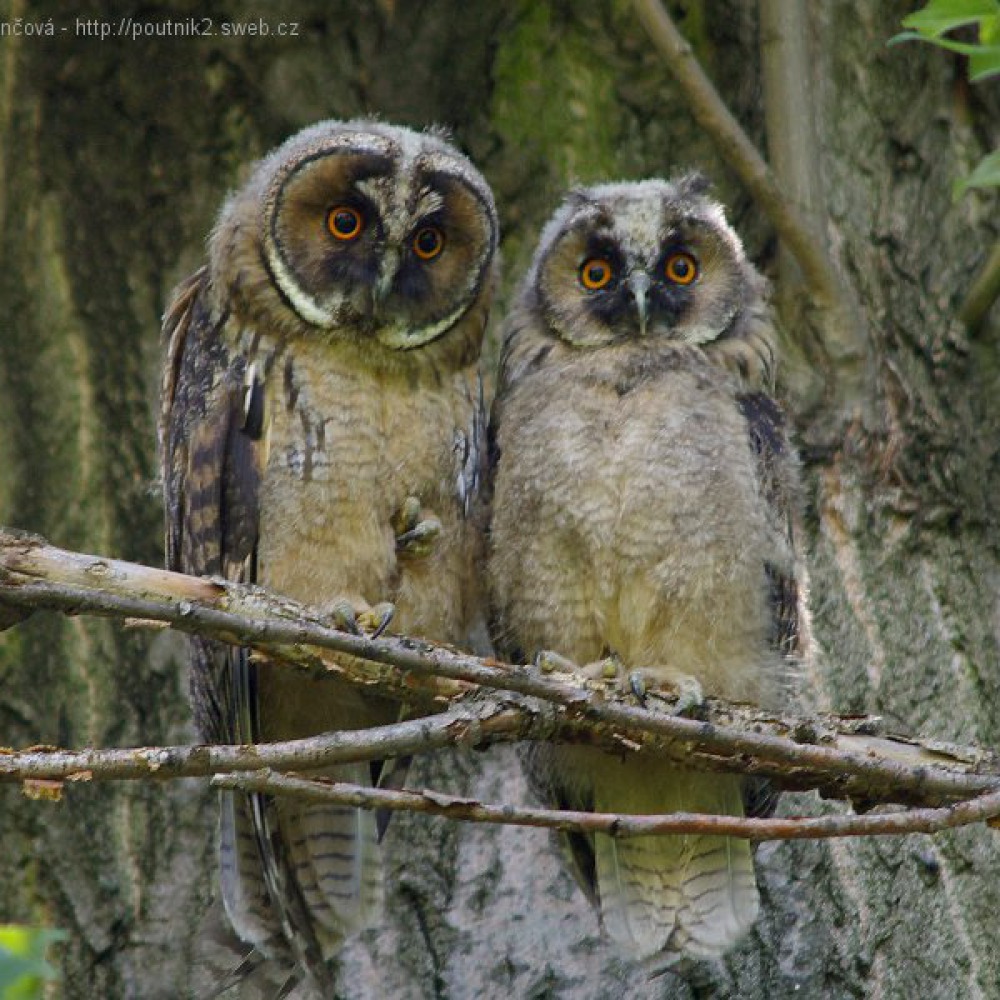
[114,156]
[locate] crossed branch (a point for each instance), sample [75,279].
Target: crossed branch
[478,702]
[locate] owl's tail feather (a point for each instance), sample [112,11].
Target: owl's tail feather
[236,977]
[335,856]
[326,859]
[244,891]
[695,895]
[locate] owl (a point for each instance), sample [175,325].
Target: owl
[643,497]
[323,435]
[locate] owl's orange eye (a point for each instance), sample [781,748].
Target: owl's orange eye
[596,273]
[344,222]
[428,242]
[681,268]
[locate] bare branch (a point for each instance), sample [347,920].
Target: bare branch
[842,758]
[739,152]
[981,809]
[786,196]
[465,725]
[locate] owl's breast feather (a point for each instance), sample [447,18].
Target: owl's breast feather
[345,453]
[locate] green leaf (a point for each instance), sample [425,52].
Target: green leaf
[986,174]
[965,48]
[984,60]
[14,970]
[906,36]
[23,967]
[984,63]
[940,16]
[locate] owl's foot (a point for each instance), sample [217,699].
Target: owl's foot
[686,688]
[360,618]
[376,620]
[638,682]
[416,532]
[548,661]
[551,662]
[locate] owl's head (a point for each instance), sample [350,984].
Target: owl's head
[361,230]
[651,259]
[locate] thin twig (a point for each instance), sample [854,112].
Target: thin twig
[710,111]
[981,809]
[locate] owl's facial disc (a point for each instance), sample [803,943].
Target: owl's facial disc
[638,263]
[381,240]
[616,294]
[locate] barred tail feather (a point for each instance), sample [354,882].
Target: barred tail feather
[334,854]
[244,892]
[324,881]
[691,894]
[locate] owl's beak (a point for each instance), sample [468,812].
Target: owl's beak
[639,283]
[386,277]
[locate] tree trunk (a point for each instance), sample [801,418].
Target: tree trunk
[116,154]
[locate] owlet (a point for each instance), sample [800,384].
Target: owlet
[322,435]
[641,513]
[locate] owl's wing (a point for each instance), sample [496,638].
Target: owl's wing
[210,430]
[769,441]
[471,453]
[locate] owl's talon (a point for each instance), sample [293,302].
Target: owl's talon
[607,669]
[550,662]
[416,530]
[637,685]
[689,695]
[683,688]
[420,539]
[376,620]
[343,616]
[407,516]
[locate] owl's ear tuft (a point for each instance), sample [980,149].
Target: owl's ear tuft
[576,197]
[440,131]
[692,184]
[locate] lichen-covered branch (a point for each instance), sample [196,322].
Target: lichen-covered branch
[842,758]
[982,809]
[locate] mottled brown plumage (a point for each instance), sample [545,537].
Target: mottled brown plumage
[322,435]
[642,506]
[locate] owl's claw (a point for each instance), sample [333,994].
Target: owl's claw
[637,685]
[608,669]
[344,617]
[415,533]
[551,662]
[687,689]
[376,620]
[639,682]
[689,694]
[359,619]
[407,516]
[642,681]
[420,539]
